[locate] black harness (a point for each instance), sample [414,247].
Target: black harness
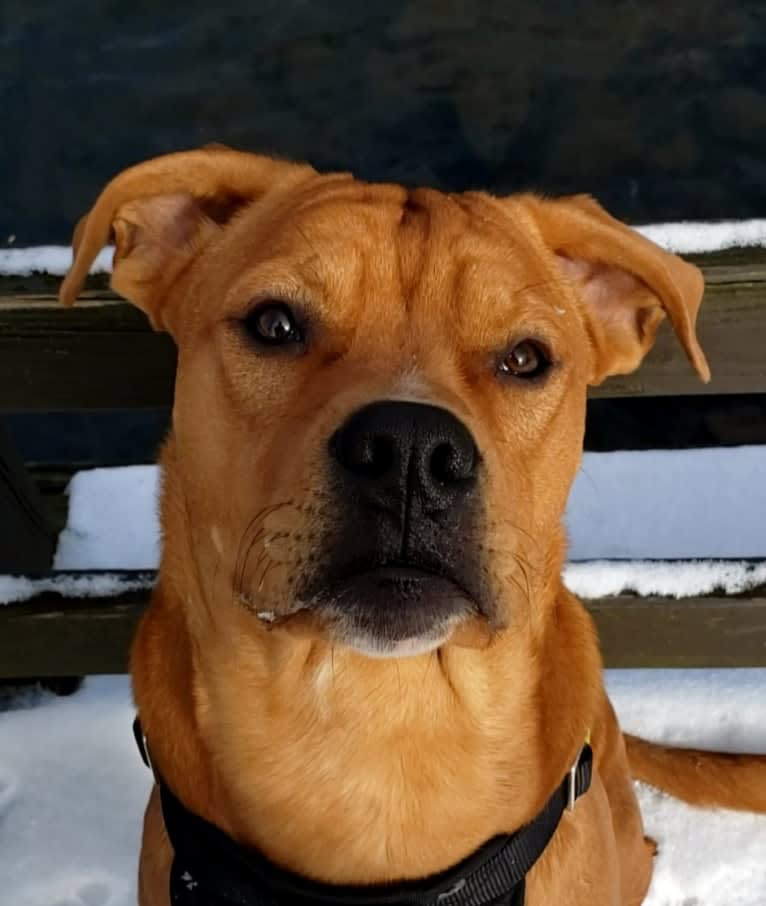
[211,869]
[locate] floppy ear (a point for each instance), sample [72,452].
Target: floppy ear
[627,283]
[161,213]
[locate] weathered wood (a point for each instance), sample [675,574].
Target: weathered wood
[716,631]
[102,353]
[52,636]
[732,331]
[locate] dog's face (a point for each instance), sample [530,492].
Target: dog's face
[380,394]
[401,384]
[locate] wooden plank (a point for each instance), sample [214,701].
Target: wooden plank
[732,331]
[716,631]
[53,636]
[102,353]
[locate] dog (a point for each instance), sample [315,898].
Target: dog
[360,667]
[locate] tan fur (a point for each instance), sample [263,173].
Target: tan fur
[704,779]
[336,765]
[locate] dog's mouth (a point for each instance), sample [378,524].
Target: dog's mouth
[389,609]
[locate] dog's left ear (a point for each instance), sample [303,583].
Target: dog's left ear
[162,213]
[627,283]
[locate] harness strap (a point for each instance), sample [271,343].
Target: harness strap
[212,869]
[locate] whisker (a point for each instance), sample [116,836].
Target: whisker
[243,569]
[520,587]
[266,571]
[256,531]
[252,525]
[526,578]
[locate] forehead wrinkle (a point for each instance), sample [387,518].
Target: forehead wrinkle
[504,219]
[485,302]
[413,233]
[510,226]
[310,278]
[324,189]
[505,246]
[308,263]
[431,236]
[319,207]
[341,202]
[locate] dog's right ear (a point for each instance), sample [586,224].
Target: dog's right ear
[625,283]
[161,213]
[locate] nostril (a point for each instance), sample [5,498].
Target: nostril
[379,456]
[365,454]
[451,464]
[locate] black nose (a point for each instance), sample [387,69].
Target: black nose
[392,450]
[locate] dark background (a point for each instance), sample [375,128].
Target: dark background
[656,108]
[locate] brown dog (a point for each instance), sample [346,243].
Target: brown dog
[360,659]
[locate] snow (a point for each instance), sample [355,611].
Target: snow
[19,588]
[672,579]
[78,803]
[70,813]
[705,858]
[48,259]
[72,795]
[689,237]
[692,503]
[685,237]
[113,521]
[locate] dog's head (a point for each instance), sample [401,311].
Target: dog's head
[380,393]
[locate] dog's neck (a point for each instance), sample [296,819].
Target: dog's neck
[351,769]
[354,770]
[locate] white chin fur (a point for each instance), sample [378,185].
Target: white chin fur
[376,648]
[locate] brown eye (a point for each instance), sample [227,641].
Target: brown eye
[525,360]
[273,324]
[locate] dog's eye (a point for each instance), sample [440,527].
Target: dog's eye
[525,360]
[273,324]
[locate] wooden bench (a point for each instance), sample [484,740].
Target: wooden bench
[103,356]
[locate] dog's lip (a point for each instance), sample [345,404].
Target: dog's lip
[470,626]
[403,573]
[399,572]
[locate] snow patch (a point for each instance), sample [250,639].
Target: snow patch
[48,259]
[113,520]
[76,789]
[104,585]
[669,505]
[695,237]
[675,579]
[706,858]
